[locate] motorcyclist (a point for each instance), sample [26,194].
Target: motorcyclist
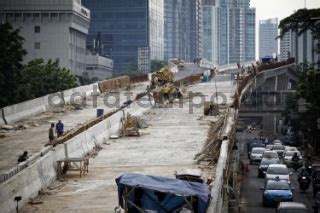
[295,158]
[303,173]
[295,161]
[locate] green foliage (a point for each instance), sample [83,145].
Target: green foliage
[41,78]
[301,21]
[85,79]
[156,65]
[309,86]
[308,89]
[11,56]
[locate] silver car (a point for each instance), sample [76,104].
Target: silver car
[271,154]
[278,170]
[291,207]
[256,154]
[279,149]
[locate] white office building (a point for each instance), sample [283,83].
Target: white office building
[302,47]
[268,31]
[98,66]
[52,29]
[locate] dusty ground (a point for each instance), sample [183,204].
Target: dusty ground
[33,139]
[170,143]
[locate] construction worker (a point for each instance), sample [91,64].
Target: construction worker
[52,138]
[166,90]
[59,128]
[23,157]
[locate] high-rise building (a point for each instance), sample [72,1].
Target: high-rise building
[52,29]
[210,38]
[285,46]
[182,26]
[130,32]
[233,38]
[302,47]
[268,31]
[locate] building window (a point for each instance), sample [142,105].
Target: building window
[37,29]
[37,45]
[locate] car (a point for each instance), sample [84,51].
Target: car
[287,159]
[252,145]
[256,154]
[278,170]
[276,141]
[275,191]
[279,149]
[290,148]
[288,207]
[271,154]
[264,164]
[269,146]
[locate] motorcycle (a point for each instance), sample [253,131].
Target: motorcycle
[308,166]
[295,165]
[304,183]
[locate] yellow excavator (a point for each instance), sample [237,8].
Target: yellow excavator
[161,77]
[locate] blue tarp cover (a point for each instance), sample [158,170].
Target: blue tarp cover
[162,194]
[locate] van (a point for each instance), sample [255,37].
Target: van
[291,207]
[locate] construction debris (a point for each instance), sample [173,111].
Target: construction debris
[210,151]
[7,127]
[35,201]
[129,126]
[210,109]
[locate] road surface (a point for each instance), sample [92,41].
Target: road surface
[251,196]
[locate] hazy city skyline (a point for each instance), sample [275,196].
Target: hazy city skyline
[277,9]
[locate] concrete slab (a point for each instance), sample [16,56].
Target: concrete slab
[34,138]
[171,141]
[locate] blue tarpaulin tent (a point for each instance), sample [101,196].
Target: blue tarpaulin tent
[138,193]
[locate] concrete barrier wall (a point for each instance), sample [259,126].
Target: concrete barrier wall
[1,117]
[42,173]
[80,92]
[25,109]
[29,108]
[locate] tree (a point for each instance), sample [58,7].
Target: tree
[40,79]
[156,65]
[308,89]
[11,56]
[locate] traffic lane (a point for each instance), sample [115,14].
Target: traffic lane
[251,195]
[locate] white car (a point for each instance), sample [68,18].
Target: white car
[288,158]
[279,149]
[269,146]
[256,154]
[290,148]
[278,170]
[268,154]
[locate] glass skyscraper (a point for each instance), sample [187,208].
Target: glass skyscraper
[268,31]
[125,30]
[231,25]
[182,26]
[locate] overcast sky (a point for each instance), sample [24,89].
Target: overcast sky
[278,8]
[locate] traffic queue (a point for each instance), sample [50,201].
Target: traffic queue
[273,159]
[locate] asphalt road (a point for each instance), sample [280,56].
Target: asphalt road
[251,196]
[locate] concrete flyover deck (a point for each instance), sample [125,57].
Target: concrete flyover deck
[173,137]
[35,137]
